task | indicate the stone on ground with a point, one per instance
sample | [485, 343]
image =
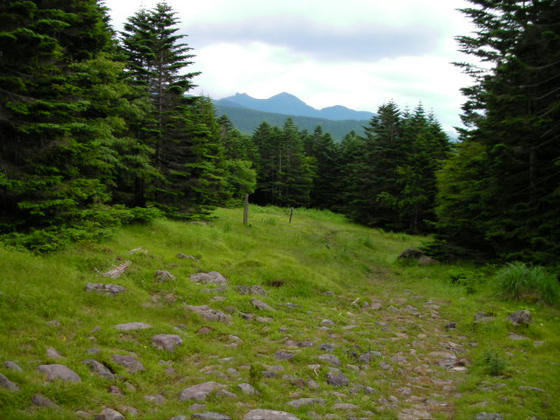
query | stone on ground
[109, 414]
[99, 369]
[259, 304]
[305, 402]
[251, 290]
[163, 276]
[520, 318]
[337, 379]
[9, 385]
[269, 415]
[213, 277]
[199, 392]
[209, 314]
[166, 341]
[132, 326]
[41, 401]
[105, 289]
[210, 416]
[118, 271]
[53, 354]
[247, 389]
[9, 364]
[129, 362]
[56, 371]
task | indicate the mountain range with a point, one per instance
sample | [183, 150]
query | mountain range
[247, 113]
[288, 104]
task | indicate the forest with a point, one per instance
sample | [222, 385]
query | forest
[98, 129]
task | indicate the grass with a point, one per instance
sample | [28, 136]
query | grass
[297, 264]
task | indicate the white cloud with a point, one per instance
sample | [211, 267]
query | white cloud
[357, 53]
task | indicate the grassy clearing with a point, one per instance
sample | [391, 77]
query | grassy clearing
[296, 263]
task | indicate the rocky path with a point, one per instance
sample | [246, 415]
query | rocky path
[346, 356]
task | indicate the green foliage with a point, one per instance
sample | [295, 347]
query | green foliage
[498, 195]
[494, 364]
[519, 281]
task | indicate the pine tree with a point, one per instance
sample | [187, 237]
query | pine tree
[57, 150]
[513, 113]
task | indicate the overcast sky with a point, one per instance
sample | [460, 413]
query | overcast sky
[356, 53]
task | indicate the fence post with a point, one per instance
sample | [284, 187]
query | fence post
[246, 210]
[291, 213]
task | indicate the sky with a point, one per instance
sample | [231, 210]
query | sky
[356, 53]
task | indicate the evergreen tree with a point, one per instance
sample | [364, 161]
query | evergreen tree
[57, 156]
[513, 113]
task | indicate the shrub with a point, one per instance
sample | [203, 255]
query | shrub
[493, 363]
[519, 281]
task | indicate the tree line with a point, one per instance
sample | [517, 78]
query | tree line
[98, 129]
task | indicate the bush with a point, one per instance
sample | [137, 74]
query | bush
[493, 363]
[518, 281]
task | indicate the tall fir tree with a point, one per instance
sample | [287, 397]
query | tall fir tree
[513, 115]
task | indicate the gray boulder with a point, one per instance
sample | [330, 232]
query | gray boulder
[9, 364]
[210, 416]
[209, 314]
[109, 414]
[520, 318]
[213, 277]
[99, 369]
[129, 362]
[259, 304]
[9, 385]
[489, 416]
[269, 415]
[305, 402]
[132, 326]
[61, 372]
[41, 401]
[166, 341]
[251, 290]
[105, 289]
[163, 276]
[199, 392]
[337, 379]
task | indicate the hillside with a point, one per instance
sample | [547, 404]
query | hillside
[247, 120]
[314, 318]
[288, 104]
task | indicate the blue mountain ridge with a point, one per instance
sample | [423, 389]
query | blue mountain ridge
[288, 104]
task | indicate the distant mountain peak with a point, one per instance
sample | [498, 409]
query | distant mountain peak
[288, 104]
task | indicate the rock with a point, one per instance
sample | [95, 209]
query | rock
[210, 416]
[155, 399]
[327, 347]
[327, 323]
[163, 276]
[106, 289]
[197, 407]
[128, 410]
[182, 256]
[411, 254]
[305, 402]
[284, 355]
[8, 364]
[199, 392]
[132, 326]
[129, 362]
[53, 323]
[9, 385]
[138, 250]
[345, 406]
[531, 388]
[489, 416]
[222, 393]
[113, 389]
[450, 326]
[330, 358]
[247, 389]
[425, 260]
[259, 304]
[263, 319]
[166, 341]
[414, 414]
[483, 317]
[179, 418]
[53, 354]
[99, 369]
[520, 318]
[204, 331]
[109, 414]
[305, 344]
[251, 290]
[62, 372]
[209, 314]
[269, 415]
[369, 356]
[517, 337]
[118, 271]
[213, 277]
[41, 401]
[337, 379]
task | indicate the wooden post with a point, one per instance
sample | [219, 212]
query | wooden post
[246, 210]
[291, 213]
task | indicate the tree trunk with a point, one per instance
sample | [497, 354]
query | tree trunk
[246, 210]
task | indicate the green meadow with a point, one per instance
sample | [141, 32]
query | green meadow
[327, 281]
